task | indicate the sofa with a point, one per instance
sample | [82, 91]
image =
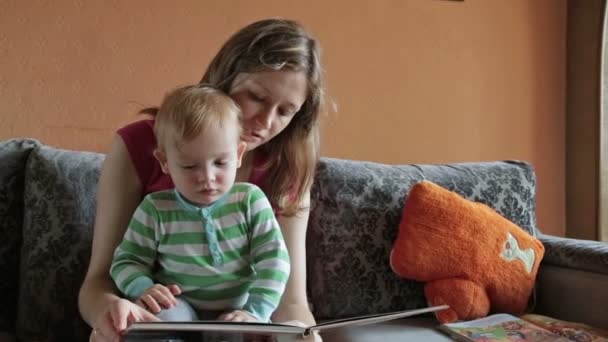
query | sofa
[47, 209]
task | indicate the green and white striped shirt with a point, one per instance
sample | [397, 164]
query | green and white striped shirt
[228, 255]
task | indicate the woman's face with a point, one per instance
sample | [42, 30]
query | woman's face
[269, 101]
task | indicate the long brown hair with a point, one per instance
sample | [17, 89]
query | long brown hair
[278, 44]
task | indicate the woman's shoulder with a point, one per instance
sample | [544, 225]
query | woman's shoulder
[138, 131]
[139, 137]
[140, 141]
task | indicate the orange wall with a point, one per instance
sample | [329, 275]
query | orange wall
[417, 81]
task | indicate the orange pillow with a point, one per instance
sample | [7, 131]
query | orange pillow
[471, 258]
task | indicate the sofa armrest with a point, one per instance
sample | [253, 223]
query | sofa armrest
[572, 280]
[582, 255]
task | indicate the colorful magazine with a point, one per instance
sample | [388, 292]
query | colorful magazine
[529, 327]
[577, 332]
[499, 327]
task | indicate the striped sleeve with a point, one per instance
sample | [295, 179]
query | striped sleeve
[134, 258]
[269, 253]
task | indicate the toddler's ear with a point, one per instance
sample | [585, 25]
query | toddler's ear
[162, 159]
[240, 152]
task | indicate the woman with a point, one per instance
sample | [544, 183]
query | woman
[272, 70]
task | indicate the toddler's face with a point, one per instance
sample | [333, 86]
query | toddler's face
[204, 168]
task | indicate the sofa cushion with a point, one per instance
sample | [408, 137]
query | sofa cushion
[59, 211]
[356, 209]
[13, 154]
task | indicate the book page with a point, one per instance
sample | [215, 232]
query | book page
[245, 327]
[211, 331]
[208, 336]
[371, 319]
[141, 329]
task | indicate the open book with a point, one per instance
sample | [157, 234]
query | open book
[528, 328]
[233, 331]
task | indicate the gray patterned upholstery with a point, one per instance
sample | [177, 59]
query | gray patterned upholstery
[13, 154]
[59, 210]
[356, 209]
[582, 255]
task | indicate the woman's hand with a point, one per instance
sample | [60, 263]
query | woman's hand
[116, 318]
[314, 337]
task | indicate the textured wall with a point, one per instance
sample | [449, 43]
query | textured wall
[417, 81]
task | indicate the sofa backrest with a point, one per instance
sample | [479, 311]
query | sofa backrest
[356, 210]
[13, 154]
[59, 211]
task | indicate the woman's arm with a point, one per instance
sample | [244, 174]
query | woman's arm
[294, 303]
[118, 194]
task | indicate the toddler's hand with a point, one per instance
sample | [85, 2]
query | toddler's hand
[158, 297]
[237, 316]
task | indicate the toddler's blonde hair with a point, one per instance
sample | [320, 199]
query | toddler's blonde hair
[188, 111]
